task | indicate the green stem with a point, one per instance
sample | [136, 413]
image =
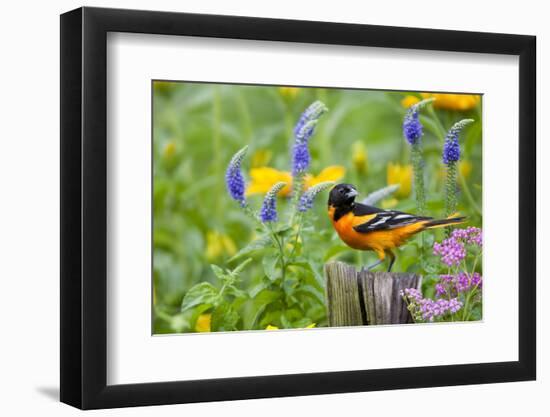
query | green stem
[280, 245]
[418, 168]
[300, 222]
[450, 192]
[419, 187]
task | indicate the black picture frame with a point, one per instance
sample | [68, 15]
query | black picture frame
[84, 207]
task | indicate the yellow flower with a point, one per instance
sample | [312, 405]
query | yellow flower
[289, 92]
[459, 102]
[330, 173]
[169, 150]
[203, 323]
[408, 101]
[310, 326]
[402, 175]
[218, 244]
[263, 178]
[359, 156]
[261, 158]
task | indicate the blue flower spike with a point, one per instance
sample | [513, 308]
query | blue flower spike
[268, 212]
[234, 179]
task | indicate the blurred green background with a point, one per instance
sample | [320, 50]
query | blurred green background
[198, 127]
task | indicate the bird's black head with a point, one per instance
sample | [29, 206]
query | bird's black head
[342, 196]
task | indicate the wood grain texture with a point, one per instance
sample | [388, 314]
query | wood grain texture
[344, 306]
[356, 298]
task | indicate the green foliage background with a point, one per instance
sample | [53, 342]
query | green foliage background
[198, 127]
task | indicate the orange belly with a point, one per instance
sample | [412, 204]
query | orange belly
[377, 241]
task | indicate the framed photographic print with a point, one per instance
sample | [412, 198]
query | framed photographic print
[257, 208]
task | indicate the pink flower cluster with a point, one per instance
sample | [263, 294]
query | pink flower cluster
[455, 284]
[453, 250]
[428, 309]
[470, 235]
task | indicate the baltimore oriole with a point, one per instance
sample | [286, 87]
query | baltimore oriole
[369, 228]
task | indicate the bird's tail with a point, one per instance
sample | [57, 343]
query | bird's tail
[453, 219]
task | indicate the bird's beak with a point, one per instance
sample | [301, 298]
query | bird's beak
[351, 193]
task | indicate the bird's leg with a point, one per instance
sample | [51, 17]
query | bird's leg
[392, 258]
[381, 257]
[374, 265]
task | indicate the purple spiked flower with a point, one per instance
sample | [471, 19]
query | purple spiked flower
[451, 148]
[412, 128]
[300, 157]
[313, 112]
[234, 177]
[303, 131]
[268, 212]
[306, 200]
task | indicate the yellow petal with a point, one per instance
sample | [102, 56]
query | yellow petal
[330, 173]
[359, 156]
[310, 326]
[213, 245]
[228, 245]
[270, 327]
[402, 175]
[263, 178]
[459, 102]
[203, 323]
[408, 101]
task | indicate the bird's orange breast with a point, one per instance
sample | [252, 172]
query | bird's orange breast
[344, 226]
[378, 240]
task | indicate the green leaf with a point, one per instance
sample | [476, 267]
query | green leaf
[335, 251]
[312, 267]
[224, 318]
[302, 323]
[241, 266]
[203, 293]
[260, 243]
[258, 305]
[284, 231]
[312, 292]
[269, 262]
[285, 322]
[430, 267]
[256, 289]
[231, 289]
[219, 272]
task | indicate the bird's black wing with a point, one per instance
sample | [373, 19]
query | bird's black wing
[383, 219]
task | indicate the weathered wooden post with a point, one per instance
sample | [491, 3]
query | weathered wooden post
[357, 298]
